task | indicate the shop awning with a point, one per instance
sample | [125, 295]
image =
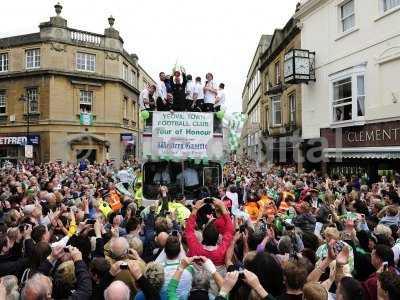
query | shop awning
[363, 153]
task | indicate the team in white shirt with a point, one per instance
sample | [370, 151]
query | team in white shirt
[199, 98]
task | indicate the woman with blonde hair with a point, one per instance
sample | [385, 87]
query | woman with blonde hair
[154, 273]
[64, 280]
[314, 291]
[332, 235]
[10, 283]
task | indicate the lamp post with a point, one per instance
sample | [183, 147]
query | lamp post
[28, 104]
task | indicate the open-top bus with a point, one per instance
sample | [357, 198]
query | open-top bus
[183, 151]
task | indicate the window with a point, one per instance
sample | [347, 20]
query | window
[342, 100]
[348, 100]
[133, 111]
[277, 73]
[292, 108]
[32, 95]
[3, 62]
[276, 111]
[347, 16]
[86, 101]
[85, 62]
[32, 58]
[125, 108]
[133, 77]
[389, 4]
[125, 73]
[3, 102]
[360, 96]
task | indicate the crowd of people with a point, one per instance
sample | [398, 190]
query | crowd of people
[77, 231]
[181, 92]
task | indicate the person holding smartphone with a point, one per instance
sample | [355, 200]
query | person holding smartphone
[209, 246]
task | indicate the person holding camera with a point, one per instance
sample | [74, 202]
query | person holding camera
[210, 247]
[40, 286]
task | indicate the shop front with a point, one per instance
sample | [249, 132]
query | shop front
[285, 150]
[13, 147]
[371, 150]
[128, 141]
[91, 147]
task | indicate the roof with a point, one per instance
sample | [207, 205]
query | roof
[308, 6]
[145, 73]
[262, 46]
[19, 40]
[279, 39]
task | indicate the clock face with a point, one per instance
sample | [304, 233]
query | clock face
[302, 65]
[288, 67]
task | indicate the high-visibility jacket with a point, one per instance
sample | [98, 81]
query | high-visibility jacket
[105, 208]
[251, 208]
[181, 211]
[139, 196]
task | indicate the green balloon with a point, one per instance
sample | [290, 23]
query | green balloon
[278, 224]
[144, 114]
[220, 114]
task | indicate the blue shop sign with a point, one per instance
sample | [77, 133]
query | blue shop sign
[34, 139]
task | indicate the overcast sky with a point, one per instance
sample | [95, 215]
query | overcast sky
[218, 36]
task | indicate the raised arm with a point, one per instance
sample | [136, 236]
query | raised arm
[84, 282]
[191, 238]
[174, 282]
[184, 80]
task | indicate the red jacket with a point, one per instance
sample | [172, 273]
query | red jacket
[217, 256]
[371, 287]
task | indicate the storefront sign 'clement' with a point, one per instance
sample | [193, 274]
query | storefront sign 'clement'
[382, 134]
[391, 134]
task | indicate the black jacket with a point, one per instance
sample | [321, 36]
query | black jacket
[179, 92]
[17, 261]
[83, 290]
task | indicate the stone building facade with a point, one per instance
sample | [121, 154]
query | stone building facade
[280, 102]
[251, 105]
[82, 91]
[352, 110]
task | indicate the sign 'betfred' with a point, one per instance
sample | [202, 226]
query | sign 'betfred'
[182, 134]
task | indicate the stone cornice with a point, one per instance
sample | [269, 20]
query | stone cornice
[63, 123]
[59, 45]
[308, 8]
[86, 76]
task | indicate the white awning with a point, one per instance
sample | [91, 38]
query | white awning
[363, 153]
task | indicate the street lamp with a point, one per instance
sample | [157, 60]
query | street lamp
[28, 105]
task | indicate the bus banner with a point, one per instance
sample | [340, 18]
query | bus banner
[182, 135]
